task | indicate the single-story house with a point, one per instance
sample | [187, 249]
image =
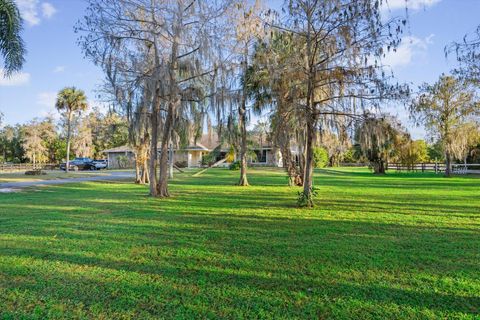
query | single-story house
[124, 157]
[192, 155]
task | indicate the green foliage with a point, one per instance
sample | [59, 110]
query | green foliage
[307, 200]
[208, 159]
[420, 149]
[377, 137]
[320, 157]
[402, 246]
[444, 108]
[11, 140]
[58, 152]
[71, 99]
[211, 157]
[108, 131]
[230, 155]
[435, 152]
[409, 152]
[351, 156]
[234, 166]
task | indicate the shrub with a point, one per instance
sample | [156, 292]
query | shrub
[122, 162]
[350, 156]
[234, 165]
[320, 157]
[230, 157]
[36, 172]
[209, 159]
[307, 201]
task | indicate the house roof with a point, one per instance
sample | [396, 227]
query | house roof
[196, 147]
[124, 148]
[206, 143]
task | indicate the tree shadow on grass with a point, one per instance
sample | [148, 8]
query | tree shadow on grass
[214, 269]
[235, 253]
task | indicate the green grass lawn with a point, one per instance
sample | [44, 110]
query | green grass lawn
[400, 246]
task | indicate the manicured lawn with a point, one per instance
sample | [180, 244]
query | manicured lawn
[402, 246]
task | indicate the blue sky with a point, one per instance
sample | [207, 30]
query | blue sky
[54, 60]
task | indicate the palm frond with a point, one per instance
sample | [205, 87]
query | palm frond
[12, 47]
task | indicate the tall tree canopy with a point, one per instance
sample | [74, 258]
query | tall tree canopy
[344, 43]
[161, 52]
[377, 137]
[467, 53]
[70, 102]
[443, 107]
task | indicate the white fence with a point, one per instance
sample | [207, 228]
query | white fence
[457, 168]
[469, 168]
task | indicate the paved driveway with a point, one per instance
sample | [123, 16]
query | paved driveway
[105, 177]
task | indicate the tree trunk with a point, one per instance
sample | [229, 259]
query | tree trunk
[141, 160]
[242, 122]
[69, 132]
[448, 164]
[301, 158]
[309, 164]
[154, 145]
[170, 167]
[162, 186]
[145, 173]
[310, 121]
[294, 176]
[137, 170]
[381, 167]
[243, 150]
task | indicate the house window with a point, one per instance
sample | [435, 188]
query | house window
[221, 155]
[261, 156]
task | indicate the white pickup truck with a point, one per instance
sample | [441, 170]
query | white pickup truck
[100, 164]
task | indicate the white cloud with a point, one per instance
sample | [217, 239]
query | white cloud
[59, 69]
[16, 79]
[47, 99]
[48, 10]
[410, 4]
[410, 48]
[29, 11]
[32, 10]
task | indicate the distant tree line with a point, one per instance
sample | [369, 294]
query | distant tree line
[43, 140]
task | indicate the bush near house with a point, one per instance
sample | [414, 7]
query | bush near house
[234, 165]
[320, 157]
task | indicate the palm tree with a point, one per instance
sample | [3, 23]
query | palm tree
[12, 48]
[70, 101]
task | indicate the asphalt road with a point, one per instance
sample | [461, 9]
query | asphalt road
[115, 175]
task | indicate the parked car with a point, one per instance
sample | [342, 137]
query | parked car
[100, 164]
[79, 164]
[83, 159]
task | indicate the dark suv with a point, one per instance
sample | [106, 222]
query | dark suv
[79, 164]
